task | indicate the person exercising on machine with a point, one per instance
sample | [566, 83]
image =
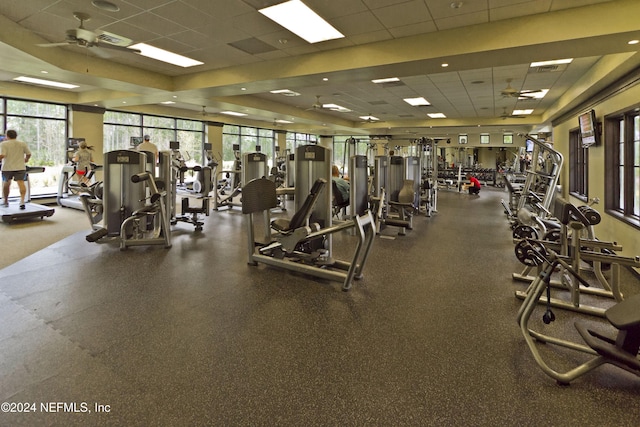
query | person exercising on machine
[14, 155]
[473, 186]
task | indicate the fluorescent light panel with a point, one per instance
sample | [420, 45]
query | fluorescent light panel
[336, 107]
[416, 102]
[437, 115]
[369, 118]
[233, 113]
[386, 80]
[298, 18]
[552, 62]
[43, 82]
[522, 112]
[285, 92]
[535, 95]
[164, 55]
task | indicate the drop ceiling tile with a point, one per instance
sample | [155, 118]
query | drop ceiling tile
[411, 12]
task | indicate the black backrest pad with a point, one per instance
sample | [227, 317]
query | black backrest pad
[259, 195]
[300, 217]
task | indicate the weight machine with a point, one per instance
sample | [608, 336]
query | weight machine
[135, 209]
[301, 245]
[578, 247]
[541, 182]
[620, 350]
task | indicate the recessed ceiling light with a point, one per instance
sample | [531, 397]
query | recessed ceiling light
[298, 18]
[522, 112]
[386, 80]
[369, 118]
[164, 55]
[416, 102]
[233, 113]
[633, 42]
[324, 79]
[437, 115]
[41, 82]
[167, 102]
[44, 72]
[456, 5]
[444, 65]
[552, 62]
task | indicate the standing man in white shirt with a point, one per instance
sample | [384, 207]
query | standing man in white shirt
[150, 147]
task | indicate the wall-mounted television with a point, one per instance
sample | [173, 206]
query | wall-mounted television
[589, 134]
[529, 146]
[135, 141]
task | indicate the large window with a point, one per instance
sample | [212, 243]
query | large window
[578, 167]
[622, 158]
[296, 139]
[248, 138]
[344, 147]
[43, 126]
[119, 127]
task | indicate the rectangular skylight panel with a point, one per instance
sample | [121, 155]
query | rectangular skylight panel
[298, 18]
[416, 102]
[43, 82]
[164, 55]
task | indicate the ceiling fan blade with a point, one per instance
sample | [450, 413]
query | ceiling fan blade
[53, 44]
[115, 47]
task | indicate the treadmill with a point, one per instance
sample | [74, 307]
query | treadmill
[66, 197]
[13, 213]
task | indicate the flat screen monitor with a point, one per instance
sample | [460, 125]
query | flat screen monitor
[588, 129]
[74, 143]
[529, 145]
[135, 141]
[208, 146]
[174, 145]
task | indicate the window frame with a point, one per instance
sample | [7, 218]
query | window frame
[578, 167]
[622, 165]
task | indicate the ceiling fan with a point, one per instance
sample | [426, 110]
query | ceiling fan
[85, 38]
[370, 119]
[506, 115]
[204, 113]
[511, 92]
[316, 105]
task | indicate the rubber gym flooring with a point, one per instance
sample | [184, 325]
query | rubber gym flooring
[192, 335]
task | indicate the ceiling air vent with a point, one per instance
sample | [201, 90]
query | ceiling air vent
[548, 68]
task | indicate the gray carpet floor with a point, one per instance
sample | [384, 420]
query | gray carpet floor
[192, 335]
